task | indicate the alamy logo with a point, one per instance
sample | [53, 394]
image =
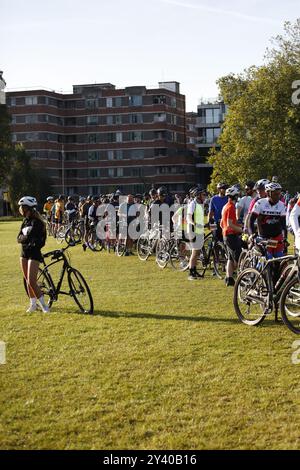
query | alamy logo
[296, 94]
[2, 353]
[296, 354]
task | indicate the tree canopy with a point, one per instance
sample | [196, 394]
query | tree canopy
[261, 133]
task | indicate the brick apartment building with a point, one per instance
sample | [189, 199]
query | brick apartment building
[100, 138]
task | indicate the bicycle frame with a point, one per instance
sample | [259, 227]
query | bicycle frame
[65, 267]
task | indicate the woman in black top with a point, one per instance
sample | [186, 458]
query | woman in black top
[32, 237]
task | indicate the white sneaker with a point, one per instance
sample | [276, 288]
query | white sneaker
[44, 308]
[32, 308]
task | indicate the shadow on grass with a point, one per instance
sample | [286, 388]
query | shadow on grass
[154, 316]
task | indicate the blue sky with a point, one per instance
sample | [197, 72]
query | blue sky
[58, 43]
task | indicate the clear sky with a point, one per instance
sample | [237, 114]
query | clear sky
[58, 43]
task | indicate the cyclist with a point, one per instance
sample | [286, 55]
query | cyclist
[84, 214]
[295, 223]
[125, 219]
[270, 213]
[195, 228]
[71, 209]
[47, 209]
[231, 231]
[32, 237]
[216, 205]
[59, 209]
[259, 187]
[243, 204]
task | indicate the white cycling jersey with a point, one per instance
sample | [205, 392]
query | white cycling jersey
[295, 223]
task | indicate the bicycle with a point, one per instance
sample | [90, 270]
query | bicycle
[213, 255]
[78, 287]
[256, 292]
[147, 242]
[290, 303]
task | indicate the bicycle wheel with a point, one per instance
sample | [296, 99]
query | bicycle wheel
[290, 305]
[220, 260]
[73, 236]
[60, 234]
[121, 247]
[180, 256]
[80, 291]
[143, 247]
[46, 285]
[162, 255]
[251, 297]
[94, 242]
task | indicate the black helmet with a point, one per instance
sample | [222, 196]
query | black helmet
[222, 186]
[197, 190]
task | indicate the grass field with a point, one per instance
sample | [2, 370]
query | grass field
[162, 364]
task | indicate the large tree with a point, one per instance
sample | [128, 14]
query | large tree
[261, 133]
[6, 153]
[23, 179]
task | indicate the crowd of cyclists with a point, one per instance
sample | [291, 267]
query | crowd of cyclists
[236, 218]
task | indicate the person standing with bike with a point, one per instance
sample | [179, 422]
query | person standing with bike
[231, 233]
[32, 237]
[195, 229]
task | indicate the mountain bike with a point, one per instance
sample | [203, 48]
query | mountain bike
[78, 287]
[290, 303]
[257, 291]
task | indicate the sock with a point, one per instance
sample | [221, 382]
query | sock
[42, 301]
[32, 301]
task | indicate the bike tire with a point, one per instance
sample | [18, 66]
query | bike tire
[80, 291]
[45, 284]
[143, 247]
[290, 305]
[180, 258]
[162, 255]
[220, 259]
[249, 290]
[121, 248]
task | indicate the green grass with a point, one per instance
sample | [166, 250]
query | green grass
[163, 364]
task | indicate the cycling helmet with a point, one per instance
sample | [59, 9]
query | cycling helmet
[27, 201]
[49, 198]
[261, 184]
[197, 190]
[162, 191]
[232, 191]
[95, 198]
[273, 187]
[222, 186]
[249, 184]
[152, 192]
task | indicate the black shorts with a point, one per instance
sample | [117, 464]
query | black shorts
[32, 253]
[233, 244]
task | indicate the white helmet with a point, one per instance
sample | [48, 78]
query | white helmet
[232, 191]
[273, 187]
[27, 201]
[49, 198]
[261, 184]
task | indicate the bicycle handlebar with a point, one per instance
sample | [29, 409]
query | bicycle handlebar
[55, 253]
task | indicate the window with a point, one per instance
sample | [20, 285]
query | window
[92, 120]
[212, 116]
[137, 154]
[135, 100]
[109, 120]
[31, 119]
[71, 173]
[119, 136]
[110, 155]
[109, 102]
[13, 101]
[111, 172]
[91, 104]
[159, 99]
[160, 117]
[173, 102]
[94, 156]
[92, 138]
[119, 154]
[136, 136]
[118, 119]
[30, 100]
[70, 156]
[136, 118]
[94, 172]
[136, 172]
[160, 152]
[119, 171]
[118, 102]
[33, 136]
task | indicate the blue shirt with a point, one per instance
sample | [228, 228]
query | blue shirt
[216, 205]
